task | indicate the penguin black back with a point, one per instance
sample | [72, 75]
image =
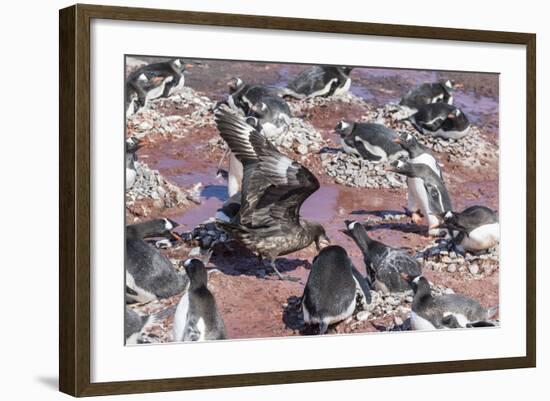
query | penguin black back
[330, 292]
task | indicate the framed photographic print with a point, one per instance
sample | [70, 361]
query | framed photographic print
[250, 200]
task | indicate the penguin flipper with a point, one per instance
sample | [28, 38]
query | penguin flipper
[363, 284]
[323, 327]
[365, 154]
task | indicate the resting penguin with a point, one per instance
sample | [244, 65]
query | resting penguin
[441, 120]
[330, 292]
[434, 200]
[322, 80]
[384, 264]
[474, 229]
[133, 144]
[243, 96]
[159, 79]
[371, 141]
[429, 312]
[273, 114]
[429, 93]
[150, 274]
[418, 154]
[197, 317]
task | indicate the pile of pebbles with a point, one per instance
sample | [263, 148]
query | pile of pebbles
[437, 257]
[300, 107]
[150, 184]
[354, 171]
[301, 138]
[473, 150]
[200, 107]
[148, 122]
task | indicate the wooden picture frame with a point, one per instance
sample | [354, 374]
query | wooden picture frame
[75, 206]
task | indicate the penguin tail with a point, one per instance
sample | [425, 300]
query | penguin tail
[323, 327]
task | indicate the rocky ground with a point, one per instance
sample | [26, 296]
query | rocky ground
[177, 179]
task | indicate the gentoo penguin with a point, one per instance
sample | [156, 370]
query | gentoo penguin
[135, 96]
[374, 142]
[418, 154]
[429, 93]
[330, 292]
[474, 229]
[132, 144]
[321, 80]
[197, 317]
[243, 96]
[441, 120]
[274, 188]
[437, 202]
[429, 312]
[384, 264]
[273, 115]
[159, 79]
[150, 274]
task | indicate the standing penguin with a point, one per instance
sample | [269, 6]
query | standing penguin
[384, 264]
[197, 317]
[437, 92]
[132, 144]
[418, 154]
[149, 273]
[429, 312]
[330, 293]
[322, 80]
[441, 120]
[474, 229]
[437, 199]
[374, 142]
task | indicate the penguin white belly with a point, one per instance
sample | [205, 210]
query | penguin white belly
[178, 87]
[235, 175]
[131, 108]
[375, 150]
[324, 90]
[133, 339]
[201, 328]
[309, 319]
[483, 237]
[180, 318]
[452, 134]
[131, 176]
[344, 88]
[419, 323]
[142, 295]
[418, 193]
[159, 90]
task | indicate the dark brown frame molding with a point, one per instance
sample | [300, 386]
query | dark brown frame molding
[74, 199]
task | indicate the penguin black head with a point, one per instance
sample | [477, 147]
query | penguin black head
[260, 109]
[235, 84]
[419, 284]
[346, 70]
[196, 271]
[133, 144]
[406, 140]
[177, 65]
[400, 166]
[455, 113]
[344, 128]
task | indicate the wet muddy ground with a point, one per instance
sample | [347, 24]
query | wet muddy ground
[252, 302]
